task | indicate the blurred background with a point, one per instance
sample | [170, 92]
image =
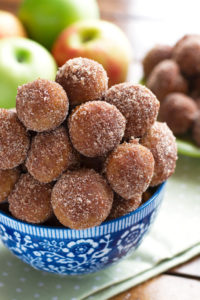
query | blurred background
[144, 22]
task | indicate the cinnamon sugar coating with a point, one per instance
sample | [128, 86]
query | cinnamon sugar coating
[95, 128]
[129, 169]
[161, 142]
[30, 200]
[187, 54]
[50, 154]
[8, 178]
[154, 56]
[138, 105]
[14, 140]
[41, 105]
[166, 78]
[179, 112]
[81, 199]
[122, 207]
[196, 129]
[83, 80]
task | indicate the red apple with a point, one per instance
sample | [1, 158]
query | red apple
[10, 25]
[98, 40]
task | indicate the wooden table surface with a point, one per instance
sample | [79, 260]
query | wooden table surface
[147, 22]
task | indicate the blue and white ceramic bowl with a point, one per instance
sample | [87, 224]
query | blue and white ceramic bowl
[75, 252]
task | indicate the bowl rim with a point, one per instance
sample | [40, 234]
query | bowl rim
[159, 189]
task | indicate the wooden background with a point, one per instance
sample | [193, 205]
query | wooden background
[147, 22]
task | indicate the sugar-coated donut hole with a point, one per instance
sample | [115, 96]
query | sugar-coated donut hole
[95, 128]
[129, 169]
[122, 207]
[166, 78]
[155, 55]
[81, 199]
[138, 105]
[8, 178]
[14, 140]
[30, 200]
[41, 105]
[50, 155]
[179, 112]
[162, 144]
[83, 80]
[187, 54]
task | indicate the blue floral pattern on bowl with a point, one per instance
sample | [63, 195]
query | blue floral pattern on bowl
[75, 252]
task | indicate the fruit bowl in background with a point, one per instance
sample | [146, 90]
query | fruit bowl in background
[75, 252]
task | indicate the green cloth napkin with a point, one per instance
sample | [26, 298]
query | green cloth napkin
[174, 238]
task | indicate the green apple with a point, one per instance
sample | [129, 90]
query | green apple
[22, 61]
[45, 19]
